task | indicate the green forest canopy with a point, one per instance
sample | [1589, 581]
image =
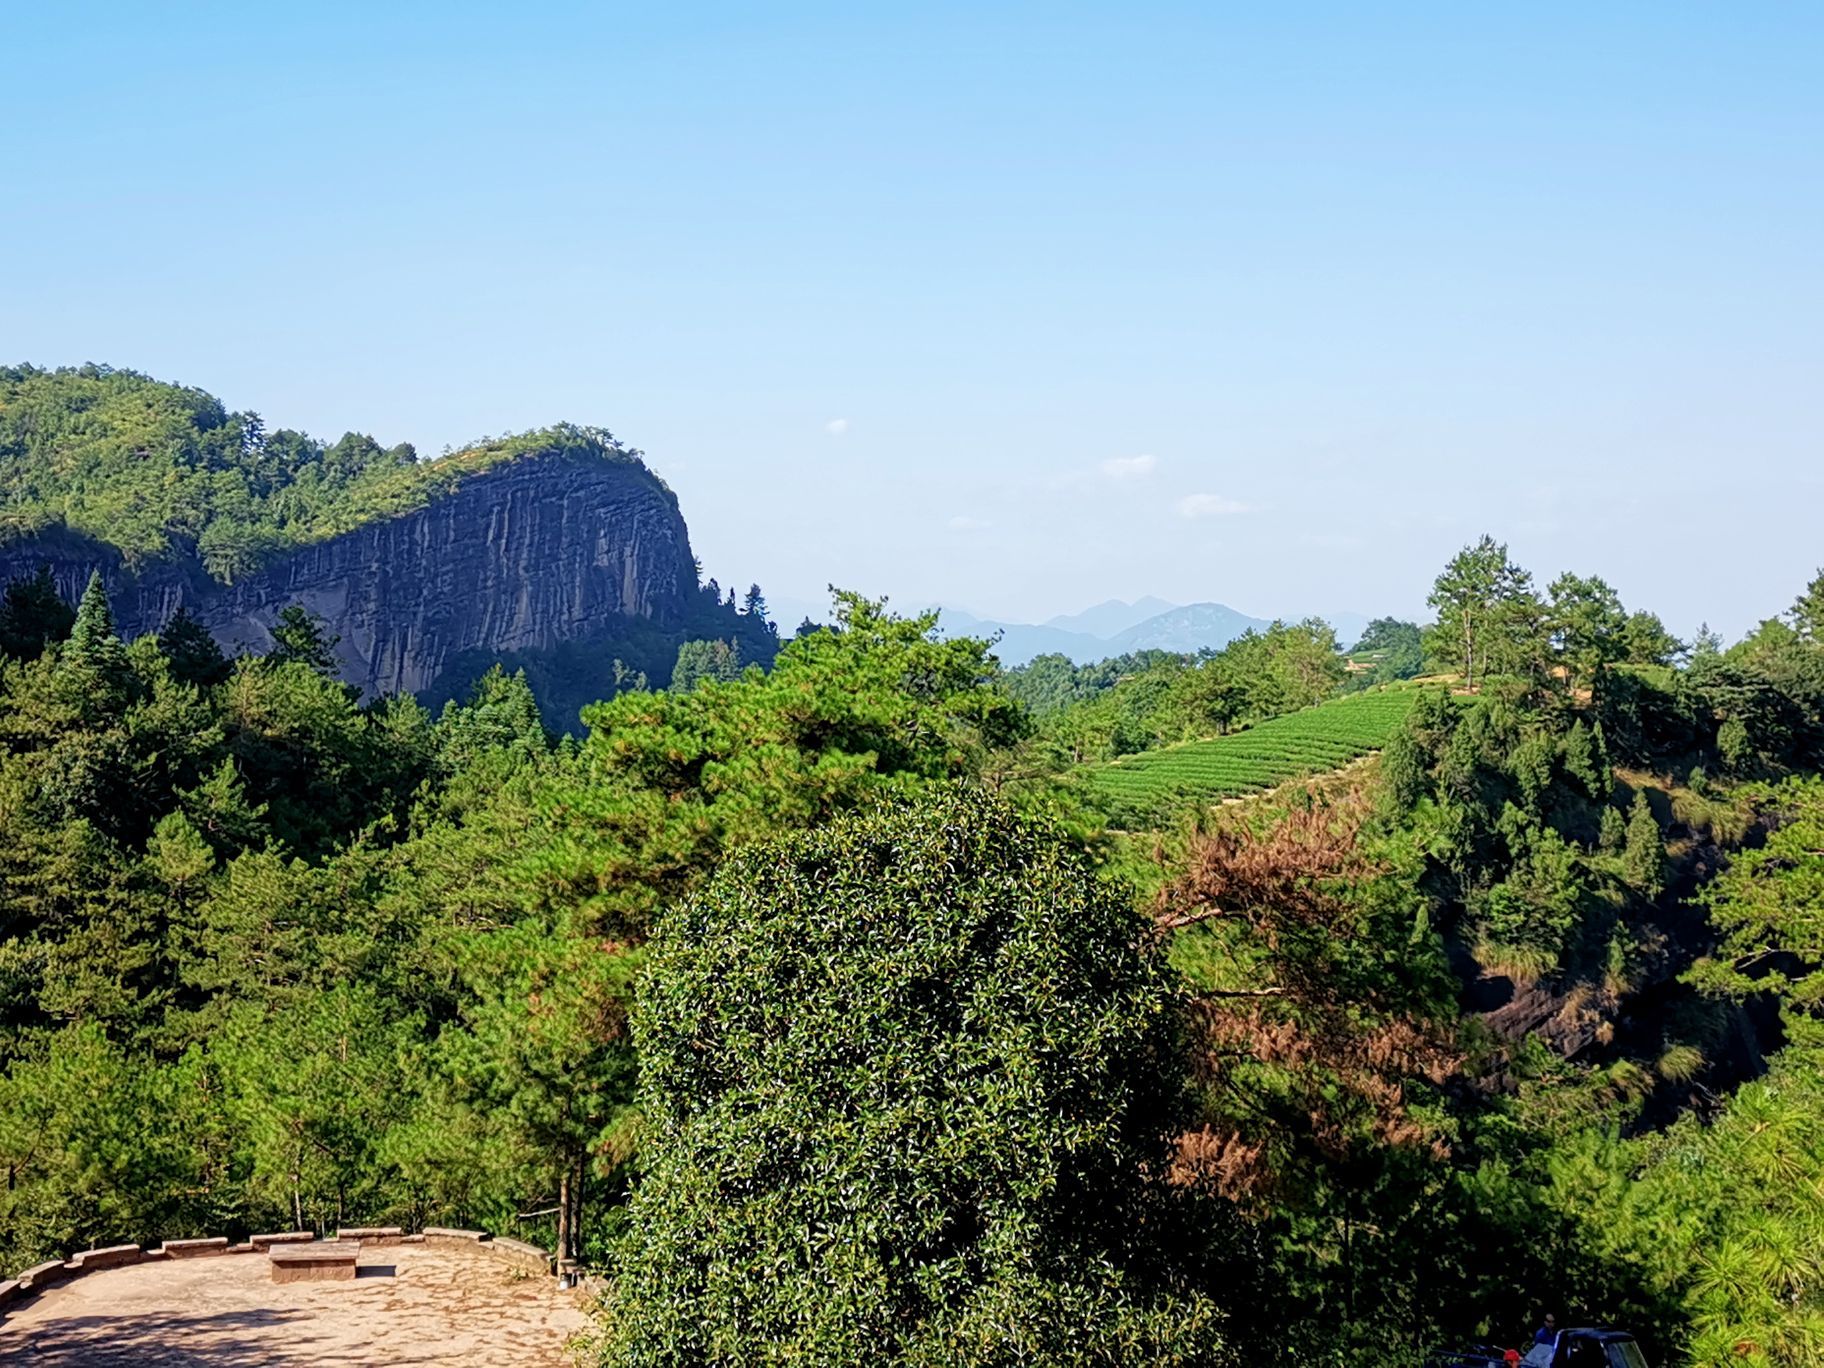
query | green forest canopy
[271, 955]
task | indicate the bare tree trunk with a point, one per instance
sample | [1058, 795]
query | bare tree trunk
[575, 1213]
[582, 1188]
[563, 1217]
[1348, 1264]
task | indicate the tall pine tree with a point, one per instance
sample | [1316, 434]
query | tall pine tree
[1643, 857]
[93, 649]
[32, 616]
[192, 652]
[298, 636]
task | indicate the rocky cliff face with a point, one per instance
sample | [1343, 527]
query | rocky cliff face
[519, 560]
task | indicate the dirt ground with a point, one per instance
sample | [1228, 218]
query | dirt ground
[409, 1305]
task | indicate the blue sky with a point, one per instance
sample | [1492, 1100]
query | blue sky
[1017, 307]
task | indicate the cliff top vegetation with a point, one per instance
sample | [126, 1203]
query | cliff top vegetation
[166, 472]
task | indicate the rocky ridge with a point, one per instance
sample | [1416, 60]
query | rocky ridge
[544, 553]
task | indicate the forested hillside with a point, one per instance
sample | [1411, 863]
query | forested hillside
[160, 471]
[818, 1008]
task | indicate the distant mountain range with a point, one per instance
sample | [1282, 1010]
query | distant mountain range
[1112, 628]
[1112, 618]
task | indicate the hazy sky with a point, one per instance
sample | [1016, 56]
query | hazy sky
[1015, 306]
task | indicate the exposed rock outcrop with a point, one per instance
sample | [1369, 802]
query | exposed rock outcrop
[537, 555]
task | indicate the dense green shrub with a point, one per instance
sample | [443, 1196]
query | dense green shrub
[902, 1077]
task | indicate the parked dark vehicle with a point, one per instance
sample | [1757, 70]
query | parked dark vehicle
[1587, 1348]
[1584, 1347]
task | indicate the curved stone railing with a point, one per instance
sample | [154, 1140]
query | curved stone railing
[528, 1256]
[35, 1279]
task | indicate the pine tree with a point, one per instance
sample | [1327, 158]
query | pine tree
[179, 858]
[298, 637]
[1808, 611]
[501, 714]
[1735, 746]
[1404, 775]
[93, 627]
[1588, 625]
[1614, 832]
[32, 616]
[1645, 641]
[193, 655]
[1580, 760]
[220, 809]
[1489, 618]
[755, 608]
[701, 660]
[93, 648]
[1643, 858]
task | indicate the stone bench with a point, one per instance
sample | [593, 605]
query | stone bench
[319, 1261]
[194, 1249]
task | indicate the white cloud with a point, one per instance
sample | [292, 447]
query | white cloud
[836, 427]
[1210, 506]
[962, 522]
[1129, 467]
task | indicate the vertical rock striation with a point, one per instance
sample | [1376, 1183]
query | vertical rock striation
[524, 558]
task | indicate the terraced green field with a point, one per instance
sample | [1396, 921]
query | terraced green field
[1147, 786]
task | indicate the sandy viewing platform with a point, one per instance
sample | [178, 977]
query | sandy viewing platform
[408, 1305]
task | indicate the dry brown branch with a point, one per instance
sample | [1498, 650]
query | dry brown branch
[1178, 920]
[1340, 1057]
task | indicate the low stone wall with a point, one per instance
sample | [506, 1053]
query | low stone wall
[41, 1276]
[262, 1243]
[194, 1249]
[34, 1280]
[115, 1256]
[444, 1235]
[528, 1256]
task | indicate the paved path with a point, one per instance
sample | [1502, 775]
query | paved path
[411, 1305]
